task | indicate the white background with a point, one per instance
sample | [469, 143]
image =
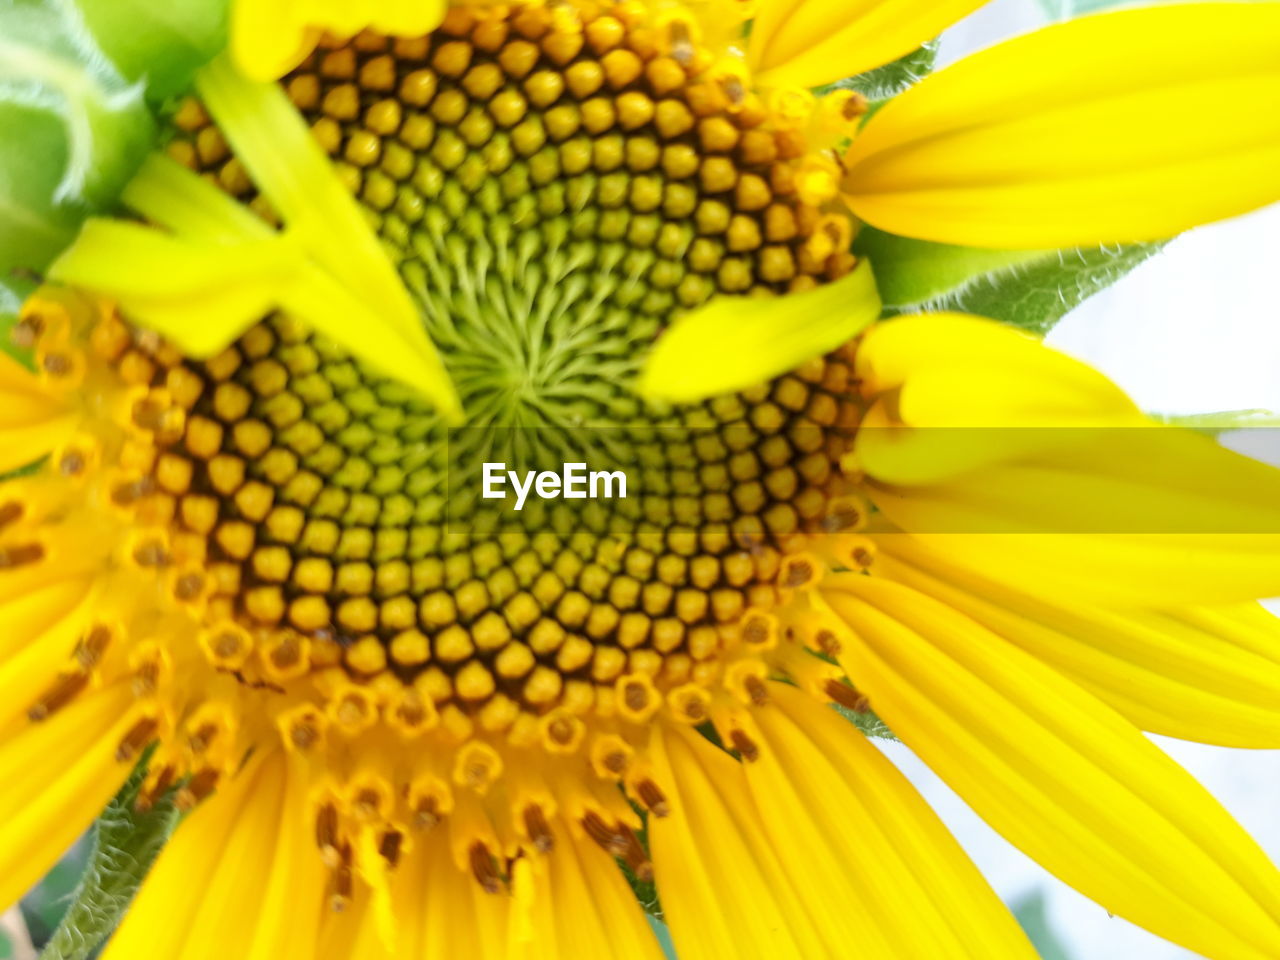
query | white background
[1194, 330]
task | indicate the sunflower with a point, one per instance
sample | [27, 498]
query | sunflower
[240, 543]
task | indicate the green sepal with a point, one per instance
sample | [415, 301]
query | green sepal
[1031, 289]
[866, 721]
[126, 842]
[161, 44]
[893, 78]
[72, 132]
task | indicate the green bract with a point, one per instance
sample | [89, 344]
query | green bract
[76, 85]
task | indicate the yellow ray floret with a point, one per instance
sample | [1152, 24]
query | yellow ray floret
[734, 343]
[60, 775]
[271, 37]
[810, 43]
[1171, 120]
[1207, 674]
[1060, 774]
[821, 788]
[1022, 463]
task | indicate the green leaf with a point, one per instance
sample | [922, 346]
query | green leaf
[891, 79]
[1034, 919]
[126, 843]
[1029, 289]
[72, 131]
[1035, 296]
[45, 906]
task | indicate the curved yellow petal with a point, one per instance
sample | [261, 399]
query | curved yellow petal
[1171, 120]
[853, 830]
[33, 420]
[272, 140]
[57, 777]
[1059, 773]
[1191, 674]
[810, 43]
[739, 342]
[200, 296]
[1023, 464]
[724, 892]
[288, 924]
[951, 392]
[594, 912]
[271, 37]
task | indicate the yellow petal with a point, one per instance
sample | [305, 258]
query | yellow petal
[33, 420]
[223, 269]
[1009, 395]
[1059, 773]
[724, 891]
[57, 777]
[835, 806]
[810, 43]
[271, 37]
[595, 912]
[1172, 120]
[289, 920]
[1193, 674]
[201, 296]
[739, 342]
[1025, 465]
[40, 638]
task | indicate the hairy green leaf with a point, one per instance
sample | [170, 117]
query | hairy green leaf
[866, 721]
[125, 844]
[891, 79]
[1027, 288]
[162, 44]
[72, 131]
[1035, 296]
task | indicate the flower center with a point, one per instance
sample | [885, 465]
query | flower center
[554, 193]
[259, 544]
[555, 189]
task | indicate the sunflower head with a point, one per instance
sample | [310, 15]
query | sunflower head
[247, 542]
[556, 186]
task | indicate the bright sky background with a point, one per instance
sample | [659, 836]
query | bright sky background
[1194, 330]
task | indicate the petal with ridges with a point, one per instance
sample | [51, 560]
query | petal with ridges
[723, 890]
[868, 822]
[1177, 101]
[1166, 673]
[289, 919]
[1059, 773]
[738, 342]
[58, 776]
[811, 43]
